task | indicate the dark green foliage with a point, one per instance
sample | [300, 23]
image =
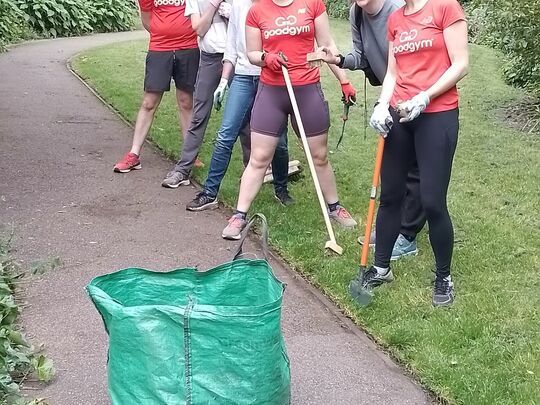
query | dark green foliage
[338, 8]
[52, 18]
[62, 18]
[18, 358]
[512, 27]
[13, 26]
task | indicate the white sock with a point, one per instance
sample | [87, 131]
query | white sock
[382, 270]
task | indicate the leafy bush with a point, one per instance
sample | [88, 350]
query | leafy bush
[338, 8]
[112, 15]
[515, 31]
[18, 358]
[52, 18]
[13, 26]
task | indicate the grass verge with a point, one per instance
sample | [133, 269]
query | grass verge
[483, 350]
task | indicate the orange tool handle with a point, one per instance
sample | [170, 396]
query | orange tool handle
[372, 199]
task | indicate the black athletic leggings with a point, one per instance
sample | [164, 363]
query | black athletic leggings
[432, 139]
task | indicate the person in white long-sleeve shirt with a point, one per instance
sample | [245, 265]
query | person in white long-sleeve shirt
[237, 114]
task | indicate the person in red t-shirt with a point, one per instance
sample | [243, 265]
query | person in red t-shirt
[289, 28]
[172, 53]
[417, 113]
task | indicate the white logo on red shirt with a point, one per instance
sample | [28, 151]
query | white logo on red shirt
[286, 27]
[427, 20]
[409, 45]
[176, 3]
[408, 35]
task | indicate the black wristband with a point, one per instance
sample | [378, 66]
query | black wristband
[341, 60]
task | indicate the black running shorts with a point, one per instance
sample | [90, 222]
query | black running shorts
[161, 66]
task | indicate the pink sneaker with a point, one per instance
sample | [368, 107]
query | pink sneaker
[128, 163]
[342, 217]
[234, 229]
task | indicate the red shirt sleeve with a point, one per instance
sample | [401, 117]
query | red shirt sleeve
[252, 19]
[146, 5]
[318, 8]
[449, 12]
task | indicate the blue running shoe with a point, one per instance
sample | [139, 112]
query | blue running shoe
[403, 248]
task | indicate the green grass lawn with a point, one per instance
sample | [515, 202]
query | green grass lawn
[483, 350]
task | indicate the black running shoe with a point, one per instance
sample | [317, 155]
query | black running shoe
[202, 202]
[284, 198]
[443, 292]
[373, 279]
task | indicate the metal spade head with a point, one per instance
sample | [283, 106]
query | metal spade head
[360, 294]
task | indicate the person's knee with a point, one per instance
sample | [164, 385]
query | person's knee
[320, 157]
[391, 197]
[150, 102]
[224, 143]
[434, 207]
[185, 100]
[259, 159]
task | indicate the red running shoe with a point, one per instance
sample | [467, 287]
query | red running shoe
[128, 163]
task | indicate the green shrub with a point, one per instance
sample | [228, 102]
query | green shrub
[63, 18]
[112, 15]
[512, 27]
[338, 8]
[13, 26]
[52, 18]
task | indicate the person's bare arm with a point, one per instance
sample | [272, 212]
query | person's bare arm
[145, 19]
[201, 22]
[455, 37]
[390, 78]
[254, 46]
[324, 40]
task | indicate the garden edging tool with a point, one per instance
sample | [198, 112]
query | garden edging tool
[361, 295]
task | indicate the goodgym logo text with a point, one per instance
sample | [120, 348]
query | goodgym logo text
[408, 43]
[286, 26]
[176, 3]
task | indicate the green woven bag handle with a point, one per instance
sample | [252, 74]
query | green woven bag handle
[264, 236]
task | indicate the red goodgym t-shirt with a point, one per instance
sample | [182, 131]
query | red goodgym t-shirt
[421, 53]
[291, 30]
[170, 30]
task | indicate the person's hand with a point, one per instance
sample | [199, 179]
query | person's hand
[224, 10]
[216, 3]
[219, 94]
[349, 92]
[381, 120]
[412, 108]
[274, 61]
[328, 57]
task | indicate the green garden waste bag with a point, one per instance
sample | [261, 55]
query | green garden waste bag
[192, 337]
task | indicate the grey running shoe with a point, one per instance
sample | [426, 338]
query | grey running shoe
[443, 292]
[175, 179]
[284, 198]
[373, 279]
[403, 248]
[342, 217]
[371, 239]
[202, 202]
[234, 230]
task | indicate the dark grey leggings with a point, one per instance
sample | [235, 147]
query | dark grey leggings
[431, 139]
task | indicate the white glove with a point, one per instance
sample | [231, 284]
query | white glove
[413, 107]
[381, 120]
[224, 10]
[219, 94]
